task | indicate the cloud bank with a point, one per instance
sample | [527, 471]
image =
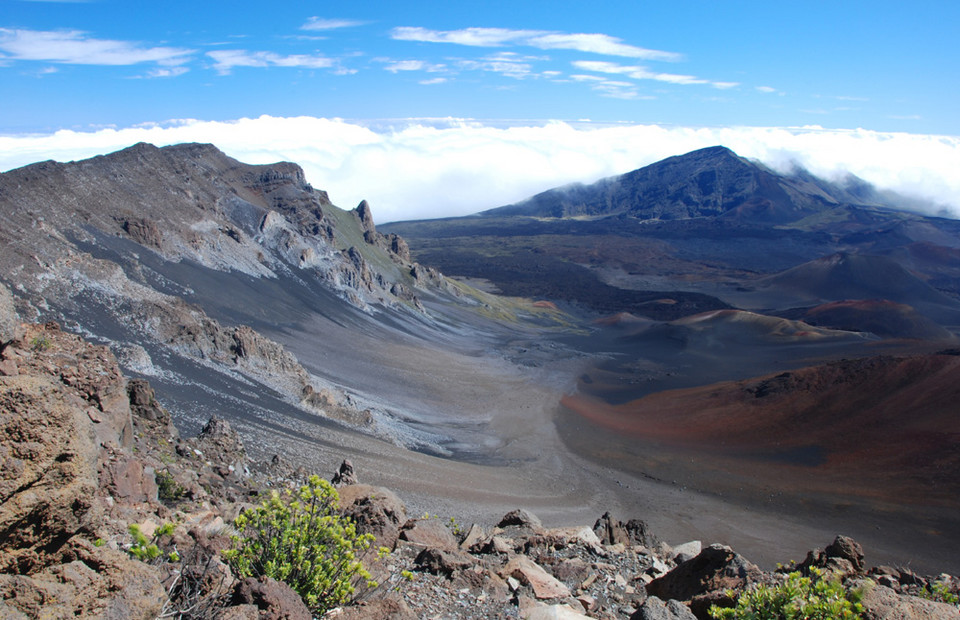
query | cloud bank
[412, 169]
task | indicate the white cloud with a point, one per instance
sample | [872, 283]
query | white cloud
[318, 23]
[476, 37]
[78, 48]
[506, 63]
[419, 169]
[395, 66]
[766, 89]
[600, 44]
[495, 37]
[642, 73]
[166, 72]
[226, 60]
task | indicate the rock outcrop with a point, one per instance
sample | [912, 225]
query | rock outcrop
[9, 321]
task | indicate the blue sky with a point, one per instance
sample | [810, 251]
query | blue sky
[95, 71]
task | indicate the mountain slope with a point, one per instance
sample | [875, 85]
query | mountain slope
[706, 223]
[705, 183]
[218, 280]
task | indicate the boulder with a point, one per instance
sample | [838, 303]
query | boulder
[440, 562]
[144, 404]
[552, 612]
[847, 549]
[344, 475]
[388, 608]
[882, 603]
[528, 572]
[687, 551]
[430, 533]
[375, 510]
[705, 579]
[611, 531]
[275, 599]
[128, 480]
[844, 556]
[655, 609]
[520, 518]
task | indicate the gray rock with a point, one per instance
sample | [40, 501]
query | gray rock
[847, 549]
[9, 321]
[344, 475]
[882, 603]
[687, 551]
[705, 579]
[441, 562]
[520, 518]
[655, 609]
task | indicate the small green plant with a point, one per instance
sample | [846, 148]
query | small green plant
[939, 591]
[167, 488]
[798, 598]
[40, 343]
[148, 549]
[303, 541]
[454, 527]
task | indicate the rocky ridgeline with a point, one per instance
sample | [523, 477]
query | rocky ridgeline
[119, 245]
[86, 453]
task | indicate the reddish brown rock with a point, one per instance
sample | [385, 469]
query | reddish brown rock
[375, 510]
[431, 533]
[275, 599]
[544, 585]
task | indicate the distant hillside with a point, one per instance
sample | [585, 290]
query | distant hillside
[705, 183]
[707, 223]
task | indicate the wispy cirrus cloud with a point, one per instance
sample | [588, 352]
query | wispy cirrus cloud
[642, 73]
[226, 60]
[79, 48]
[508, 64]
[319, 23]
[615, 89]
[395, 66]
[541, 39]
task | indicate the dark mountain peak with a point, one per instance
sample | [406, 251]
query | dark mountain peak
[709, 182]
[709, 155]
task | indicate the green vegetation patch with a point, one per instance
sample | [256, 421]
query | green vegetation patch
[301, 540]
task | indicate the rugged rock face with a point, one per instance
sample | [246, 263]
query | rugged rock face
[176, 249]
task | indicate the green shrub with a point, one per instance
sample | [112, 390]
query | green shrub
[940, 592]
[40, 343]
[799, 597]
[148, 549]
[168, 489]
[302, 541]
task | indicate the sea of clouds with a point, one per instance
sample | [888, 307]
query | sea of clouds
[426, 168]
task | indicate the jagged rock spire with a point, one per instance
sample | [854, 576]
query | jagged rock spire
[366, 216]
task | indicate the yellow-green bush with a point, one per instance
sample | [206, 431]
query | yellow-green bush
[798, 598]
[304, 542]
